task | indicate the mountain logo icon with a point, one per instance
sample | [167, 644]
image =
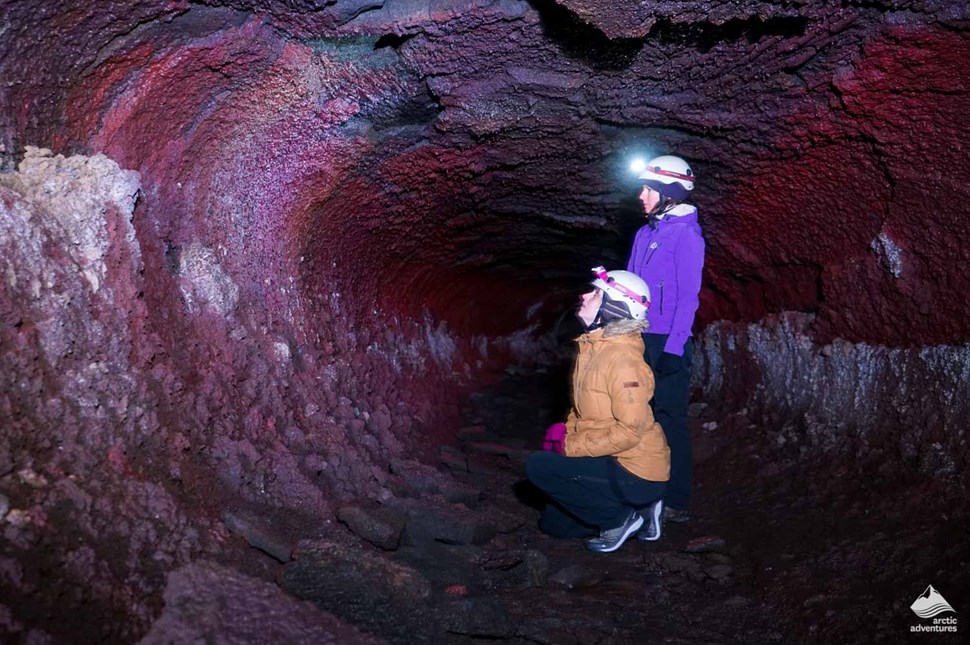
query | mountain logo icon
[930, 603]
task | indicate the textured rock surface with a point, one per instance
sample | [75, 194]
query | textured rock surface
[78, 418]
[275, 242]
[364, 149]
[379, 526]
[120, 444]
[205, 602]
[368, 588]
[896, 409]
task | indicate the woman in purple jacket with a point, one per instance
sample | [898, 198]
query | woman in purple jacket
[668, 253]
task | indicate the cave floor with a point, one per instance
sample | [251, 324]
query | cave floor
[781, 547]
[699, 584]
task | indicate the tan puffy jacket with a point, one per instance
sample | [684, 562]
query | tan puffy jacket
[611, 415]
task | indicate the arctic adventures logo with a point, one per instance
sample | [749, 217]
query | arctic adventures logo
[929, 605]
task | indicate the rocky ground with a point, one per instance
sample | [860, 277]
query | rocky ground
[780, 548]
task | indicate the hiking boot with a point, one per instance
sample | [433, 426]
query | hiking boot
[612, 539]
[652, 522]
[676, 515]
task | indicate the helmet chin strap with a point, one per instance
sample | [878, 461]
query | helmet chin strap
[610, 311]
[597, 322]
[660, 210]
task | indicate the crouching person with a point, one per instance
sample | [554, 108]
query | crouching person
[610, 479]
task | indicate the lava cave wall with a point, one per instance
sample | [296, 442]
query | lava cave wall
[491, 136]
[281, 238]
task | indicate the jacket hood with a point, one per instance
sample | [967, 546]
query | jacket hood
[627, 326]
[619, 328]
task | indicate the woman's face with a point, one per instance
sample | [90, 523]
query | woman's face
[649, 198]
[589, 305]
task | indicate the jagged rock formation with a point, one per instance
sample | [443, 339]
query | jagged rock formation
[891, 409]
[491, 136]
[254, 252]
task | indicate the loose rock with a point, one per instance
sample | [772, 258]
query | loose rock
[479, 617]
[258, 537]
[205, 602]
[449, 524]
[705, 544]
[364, 586]
[379, 526]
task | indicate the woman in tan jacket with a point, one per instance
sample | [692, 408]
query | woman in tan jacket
[610, 480]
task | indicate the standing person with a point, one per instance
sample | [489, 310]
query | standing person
[668, 253]
[616, 461]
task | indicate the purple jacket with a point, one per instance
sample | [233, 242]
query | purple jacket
[670, 258]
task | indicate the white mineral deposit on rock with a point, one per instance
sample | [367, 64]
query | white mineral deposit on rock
[71, 196]
[204, 283]
[852, 388]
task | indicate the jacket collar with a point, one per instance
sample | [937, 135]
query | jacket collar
[680, 214]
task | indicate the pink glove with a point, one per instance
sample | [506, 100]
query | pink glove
[554, 438]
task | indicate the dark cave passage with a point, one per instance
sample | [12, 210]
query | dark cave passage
[288, 275]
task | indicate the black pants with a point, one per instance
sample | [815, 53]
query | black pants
[670, 400]
[587, 494]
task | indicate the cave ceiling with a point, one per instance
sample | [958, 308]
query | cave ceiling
[479, 148]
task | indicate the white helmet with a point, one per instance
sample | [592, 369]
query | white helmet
[625, 287]
[670, 176]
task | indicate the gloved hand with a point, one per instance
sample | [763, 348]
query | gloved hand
[553, 440]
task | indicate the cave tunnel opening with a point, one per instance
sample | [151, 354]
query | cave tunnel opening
[289, 294]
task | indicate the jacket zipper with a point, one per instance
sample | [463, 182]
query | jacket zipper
[661, 297]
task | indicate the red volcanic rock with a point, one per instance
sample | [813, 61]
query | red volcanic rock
[838, 228]
[125, 426]
[635, 19]
[393, 134]
[842, 399]
[276, 242]
[204, 598]
[78, 409]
